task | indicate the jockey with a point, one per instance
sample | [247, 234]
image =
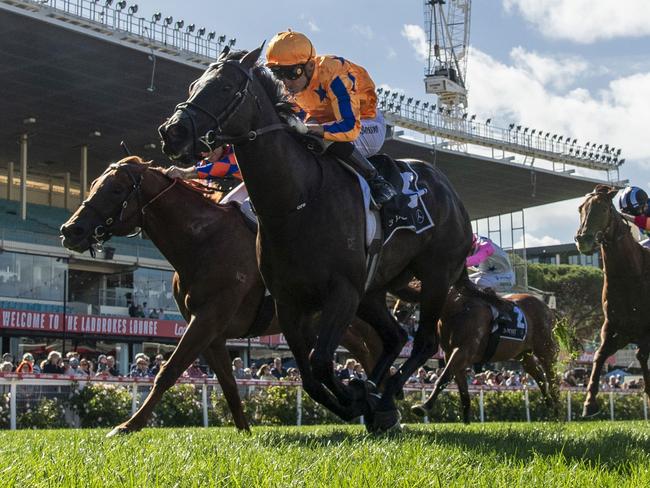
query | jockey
[220, 163]
[337, 100]
[633, 203]
[494, 268]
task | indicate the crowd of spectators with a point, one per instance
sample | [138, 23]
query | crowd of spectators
[143, 367]
[144, 311]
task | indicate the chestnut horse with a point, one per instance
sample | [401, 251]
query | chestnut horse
[217, 286]
[626, 287]
[464, 330]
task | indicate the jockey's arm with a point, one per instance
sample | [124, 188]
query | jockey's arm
[485, 250]
[346, 106]
[642, 221]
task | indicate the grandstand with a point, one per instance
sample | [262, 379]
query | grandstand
[78, 78]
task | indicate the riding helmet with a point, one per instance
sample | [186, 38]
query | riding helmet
[289, 48]
[632, 200]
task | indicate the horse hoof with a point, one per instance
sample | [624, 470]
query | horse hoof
[420, 410]
[119, 431]
[590, 410]
[386, 421]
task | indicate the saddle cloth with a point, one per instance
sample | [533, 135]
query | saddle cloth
[515, 329]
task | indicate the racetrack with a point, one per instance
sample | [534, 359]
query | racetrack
[591, 454]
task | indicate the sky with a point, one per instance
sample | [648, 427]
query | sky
[577, 67]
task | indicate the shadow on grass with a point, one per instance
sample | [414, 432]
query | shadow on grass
[611, 450]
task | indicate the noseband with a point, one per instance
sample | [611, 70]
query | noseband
[215, 137]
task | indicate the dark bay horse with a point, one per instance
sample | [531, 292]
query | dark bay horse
[217, 286]
[464, 330]
[311, 240]
[626, 288]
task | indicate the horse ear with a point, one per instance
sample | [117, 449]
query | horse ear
[251, 58]
[612, 192]
[224, 52]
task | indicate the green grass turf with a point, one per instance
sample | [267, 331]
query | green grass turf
[586, 455]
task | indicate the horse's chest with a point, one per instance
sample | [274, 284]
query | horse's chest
[627, 311]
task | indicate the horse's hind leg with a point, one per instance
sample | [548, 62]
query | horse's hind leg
[199, 333]
[463, 390]
[434, 293]
[547, 357]
[338, 312]
[373, 310]
[293, 328]
[456, 362]
[219, 360]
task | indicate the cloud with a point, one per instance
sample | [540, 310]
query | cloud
[585, 21]
[557, 72]
[363, 30]
[312, 26]
[418, 40]
[525, 92]
[532, 241]
[391, 53]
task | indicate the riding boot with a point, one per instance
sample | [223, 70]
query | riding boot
[382, 191]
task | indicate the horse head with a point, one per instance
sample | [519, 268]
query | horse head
[597, 214]
[113, 207]
[221, 108]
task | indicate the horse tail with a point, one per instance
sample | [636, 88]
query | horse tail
[467, 287]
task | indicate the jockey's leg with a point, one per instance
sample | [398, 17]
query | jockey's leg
[373, 133]
[237, 194]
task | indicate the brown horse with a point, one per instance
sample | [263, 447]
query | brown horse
[626, 288]
[464, 330]
[217, 286]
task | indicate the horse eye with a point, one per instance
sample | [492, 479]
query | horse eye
[117, 190]
[227, 88]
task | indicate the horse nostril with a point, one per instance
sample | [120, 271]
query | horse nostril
[72, 230]
[176, 132]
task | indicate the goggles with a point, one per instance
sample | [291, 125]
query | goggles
[288, 72]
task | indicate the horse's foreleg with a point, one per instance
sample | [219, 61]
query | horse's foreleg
[198, 334]
[608, 346]
[338, 312]
[642, 356]
[293, 324]
[457, 360]
[219, 360]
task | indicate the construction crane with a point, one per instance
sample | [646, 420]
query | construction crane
[447, 24]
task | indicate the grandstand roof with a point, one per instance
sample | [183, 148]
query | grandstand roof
[75, 81]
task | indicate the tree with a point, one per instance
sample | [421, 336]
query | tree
[578, 292]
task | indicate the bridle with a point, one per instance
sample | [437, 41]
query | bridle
[102, 232]
[602, 237]
[215, 137]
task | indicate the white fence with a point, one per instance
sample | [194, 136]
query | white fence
[38, 386]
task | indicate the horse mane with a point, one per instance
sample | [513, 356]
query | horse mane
[273, 87]
[192, 185]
